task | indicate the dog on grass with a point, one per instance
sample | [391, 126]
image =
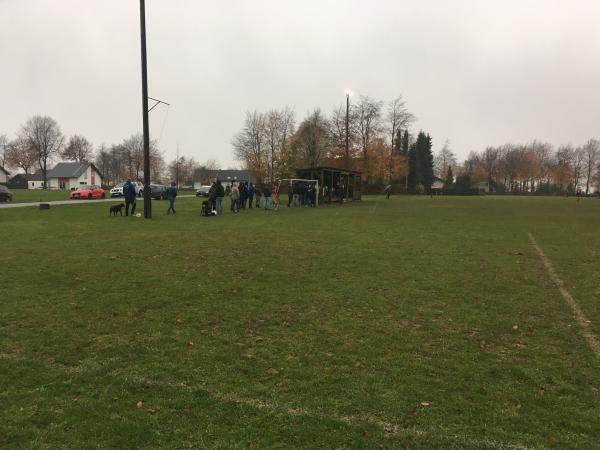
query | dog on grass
[114, 209]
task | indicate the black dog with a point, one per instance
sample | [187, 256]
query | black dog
[114, 209]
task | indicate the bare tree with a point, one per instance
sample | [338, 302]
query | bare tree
[78, 149]
[181, 170]
[398, 118]
[368, 125]
[287, 125]
[249, 144]
[592, 156]
[312, 140]
[579, 160]
[45, 138]
[489, 160]
[20, 154]
[444, 159]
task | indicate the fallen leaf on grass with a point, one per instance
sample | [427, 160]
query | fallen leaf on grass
[570, 365]
[151, 411]
[179, 321]
[272, 371]
[190, 344]
[139, 404]
[552, 439]
[425, 404]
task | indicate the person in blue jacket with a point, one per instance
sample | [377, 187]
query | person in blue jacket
[171, 195]
[130, 197]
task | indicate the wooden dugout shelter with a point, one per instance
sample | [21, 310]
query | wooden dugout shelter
[334, 182]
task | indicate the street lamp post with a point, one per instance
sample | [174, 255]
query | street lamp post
[347, 155]
[147, 199]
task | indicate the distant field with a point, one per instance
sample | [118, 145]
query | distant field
[411, 323]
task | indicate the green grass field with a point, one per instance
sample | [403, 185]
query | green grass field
[411, 323]
[38, 195]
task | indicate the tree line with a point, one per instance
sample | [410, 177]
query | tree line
[534, 167]
[39, 143]
[272, 146]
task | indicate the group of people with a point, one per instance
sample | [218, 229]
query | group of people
[243, 195]
[302, 193]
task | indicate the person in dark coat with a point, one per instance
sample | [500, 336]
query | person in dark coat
[267, 196]
[243, 195]
[170, 195]
[219, 196]
[251, 191]
[212, 196]
[130, 197]
[257, 194]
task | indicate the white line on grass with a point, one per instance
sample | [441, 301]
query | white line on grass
[388, 428]
[582, 321]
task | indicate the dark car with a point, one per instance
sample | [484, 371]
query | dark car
[158, 191]
[5, 194]
[203, 191]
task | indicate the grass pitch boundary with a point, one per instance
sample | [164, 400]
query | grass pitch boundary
[389, 429]
[581, 319]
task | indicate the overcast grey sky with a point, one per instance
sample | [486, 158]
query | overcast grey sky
[476, 72]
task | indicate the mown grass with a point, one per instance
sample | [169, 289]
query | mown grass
[38, 195]
[375, 324]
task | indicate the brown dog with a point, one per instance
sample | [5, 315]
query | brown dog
[114, 209]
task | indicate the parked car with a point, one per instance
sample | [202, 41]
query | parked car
[117, 191]
[157, 191]
[202, 191]
[5, 194]
[89, 191]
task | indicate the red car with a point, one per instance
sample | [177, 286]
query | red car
[88, 191]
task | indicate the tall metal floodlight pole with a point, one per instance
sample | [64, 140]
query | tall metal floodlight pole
[147, 199]
[347, 156]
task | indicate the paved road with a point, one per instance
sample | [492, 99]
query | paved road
[71, 202]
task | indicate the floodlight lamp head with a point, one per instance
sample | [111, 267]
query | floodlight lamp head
[348, 93]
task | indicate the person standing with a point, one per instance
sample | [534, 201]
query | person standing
[171, 195]
[219, 195]
[235, 196]
[267, 196]
[130, 197]
[243, 195]
[251, 191]
[212, 196]
[387, 191]
[258, 194]
[275, 194]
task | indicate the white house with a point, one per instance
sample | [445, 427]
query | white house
[67, 175]
[3, 175]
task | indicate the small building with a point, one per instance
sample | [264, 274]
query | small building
[483, 187]
[21, 181]
[437, 185]
[4, 175]
[334, 184]
[66, 175]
